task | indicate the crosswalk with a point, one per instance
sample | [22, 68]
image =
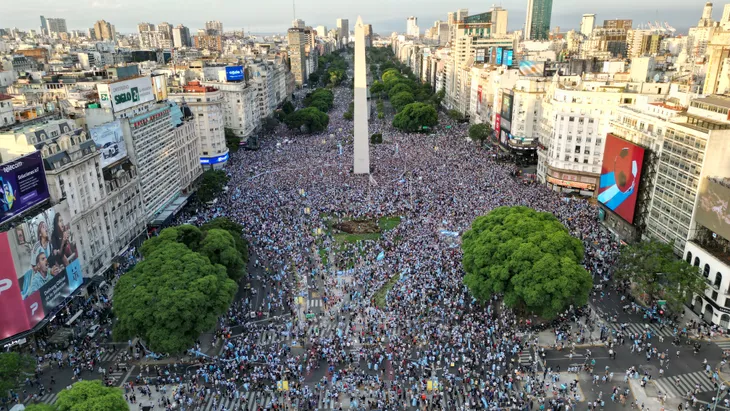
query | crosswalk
[679, 385]
[635, 328]
[314, 302]
[48, 398]
[724, 345]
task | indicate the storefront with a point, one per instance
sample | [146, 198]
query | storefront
[564, 181]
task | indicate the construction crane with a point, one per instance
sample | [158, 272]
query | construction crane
[669, 28]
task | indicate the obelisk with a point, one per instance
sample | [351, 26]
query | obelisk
[361, 157]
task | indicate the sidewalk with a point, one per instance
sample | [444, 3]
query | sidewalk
[648, 396]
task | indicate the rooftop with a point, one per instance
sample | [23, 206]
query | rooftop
[5, 97]
[719, 100]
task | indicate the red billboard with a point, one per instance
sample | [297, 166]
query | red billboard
[620, 176]
[40, 268]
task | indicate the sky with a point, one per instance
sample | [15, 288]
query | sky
[386, 16]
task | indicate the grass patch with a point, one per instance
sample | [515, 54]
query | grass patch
[323, 256]
[353, 238]
[383, 291]
[388, 223]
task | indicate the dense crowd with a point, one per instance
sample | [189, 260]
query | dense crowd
[288, 194]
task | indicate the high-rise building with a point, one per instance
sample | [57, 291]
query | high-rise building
[214, 27]
[298, 23]
[699, 36]
[499, 21]
[144, 27]
[321, 31]
[412, 27]
[104, 31]
[55, 26]
[43, 25]
[297, 54]
[343, 31]
[206, 105]
[537, 25]
[165, 30]
[587, 23]
[208, 42]
[717, 77]
[181, 36]
[625, 24]
[368, 35]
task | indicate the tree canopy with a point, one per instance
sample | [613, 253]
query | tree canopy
[402, 99]
[527, 256]
[211, 184]
[287, 107]
[657, 274]
[220, 248]
[40, 407]
[480, 132]
[232, 140]
[236, 230]
[170, 297]
[377, 87]
[414, 116]
[399, 88]
[310, 120]
[91, 395]
[14, 368]
[321, 98]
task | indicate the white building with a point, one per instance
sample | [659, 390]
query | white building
[206, 106]
[106, 208]
[587, 23]
[412, 27]
[7, 118]
[240, 108]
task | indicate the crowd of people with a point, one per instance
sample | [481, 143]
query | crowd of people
[430, 332]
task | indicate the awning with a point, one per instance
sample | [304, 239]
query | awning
[75, 316]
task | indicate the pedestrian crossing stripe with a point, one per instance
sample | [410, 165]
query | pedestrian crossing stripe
[636, 328]
[724, 345]
[314, 302]
[687, 383]
[48, 398]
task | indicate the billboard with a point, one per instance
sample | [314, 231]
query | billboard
[532, 68]
[499, 56]
[125, 94]
[214, 160]
[620, 175]
[234, 73]
[41, 268]
[506, 110]
[159, 87]
[109, 141]
[712, 210]
[22, 185]
[508, 57]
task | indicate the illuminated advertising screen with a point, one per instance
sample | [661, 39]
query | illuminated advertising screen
[620, 175]
[214, 160]
[499, 56]
[712, 210]
[508, 57]
[22, 185]
[507, 107]
[532, 68]
[234, 73]
[109, 141]
[40, 269]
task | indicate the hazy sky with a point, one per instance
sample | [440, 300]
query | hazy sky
[276, 15]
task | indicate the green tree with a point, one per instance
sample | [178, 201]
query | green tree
[348, 115]
[402, 99]
[377, 87]
[657, 274]
[211, 184]
[220, 248]
[235, 229]
[91, 395]
[232, 140]
[480, 132]
[455, 115]
[389, 74]
[314, 78]
[310, 120]
[189, 235]
[269, 124]
[399, 88]
[322, 95]
[170, 297]
[414, 116]
[320, 105]
[287, 108]
[527, 256]
[376, 138]
[14, 369]
[438, 97]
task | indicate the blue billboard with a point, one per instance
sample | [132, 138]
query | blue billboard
[22, 185]
[234, 73]
[508, 57]
[499, 56]
[214, 160]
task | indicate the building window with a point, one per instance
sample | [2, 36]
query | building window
[689, 257]
[697, 262]
[707, 270]
[718, 280]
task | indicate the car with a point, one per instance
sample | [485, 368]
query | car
[109, 149]
[93, 330]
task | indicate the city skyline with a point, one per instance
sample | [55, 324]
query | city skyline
[385, 18]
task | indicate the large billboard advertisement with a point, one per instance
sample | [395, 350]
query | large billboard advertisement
[125, 94]
[620, 175]
[532, 68]
[506, 110]
[109, 141]
[22, 185]
[234, 73]
[40, 268]
[712, 210]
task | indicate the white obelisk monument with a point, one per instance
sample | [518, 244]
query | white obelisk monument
[361, 157]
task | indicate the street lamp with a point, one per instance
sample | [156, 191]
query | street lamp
[720, 388]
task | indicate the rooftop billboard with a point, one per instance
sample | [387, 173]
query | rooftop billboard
[109, 140]
[40, 268]
[234, 73]
[620, 176]
[712, 209]
[125, 94]
[22, 185]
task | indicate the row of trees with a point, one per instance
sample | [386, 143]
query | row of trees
[186, 280]
[313, 117]
[331, 70]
